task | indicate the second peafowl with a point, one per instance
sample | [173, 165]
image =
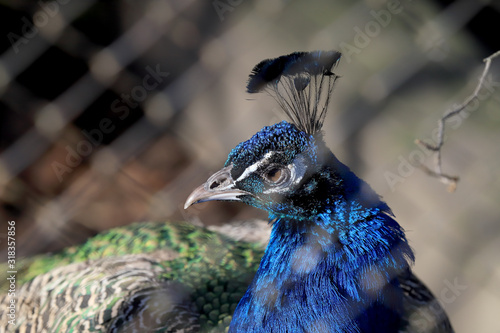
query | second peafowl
[336, 261]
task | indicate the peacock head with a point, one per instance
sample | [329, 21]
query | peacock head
[275, 170]
[286, 168]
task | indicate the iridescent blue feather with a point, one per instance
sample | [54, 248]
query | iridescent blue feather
[336, 256]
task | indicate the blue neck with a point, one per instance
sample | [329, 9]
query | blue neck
[333, 273]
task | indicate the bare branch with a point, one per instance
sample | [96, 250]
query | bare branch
[449, 180]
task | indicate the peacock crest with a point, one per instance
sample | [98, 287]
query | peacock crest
[301, 83]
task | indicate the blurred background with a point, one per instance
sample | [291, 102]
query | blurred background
[113, 112]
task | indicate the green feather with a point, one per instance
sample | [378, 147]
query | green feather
[154, 277]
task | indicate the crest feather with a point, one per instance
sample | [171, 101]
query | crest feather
[301, 83]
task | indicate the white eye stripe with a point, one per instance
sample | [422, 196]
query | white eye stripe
[297, 170]
[254, 167]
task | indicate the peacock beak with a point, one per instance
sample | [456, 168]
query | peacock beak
[220, 186]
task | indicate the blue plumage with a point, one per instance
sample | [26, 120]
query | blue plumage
[336, 261]
[330, 247]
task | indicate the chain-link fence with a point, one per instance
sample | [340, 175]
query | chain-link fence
[112, 112]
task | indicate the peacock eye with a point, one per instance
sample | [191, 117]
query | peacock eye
[274, 175]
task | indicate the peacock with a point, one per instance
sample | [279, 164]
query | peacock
[336, 259]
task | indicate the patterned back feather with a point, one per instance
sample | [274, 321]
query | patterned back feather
[146, 277]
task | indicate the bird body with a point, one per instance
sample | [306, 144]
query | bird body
[336, 261]
[145, 277]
